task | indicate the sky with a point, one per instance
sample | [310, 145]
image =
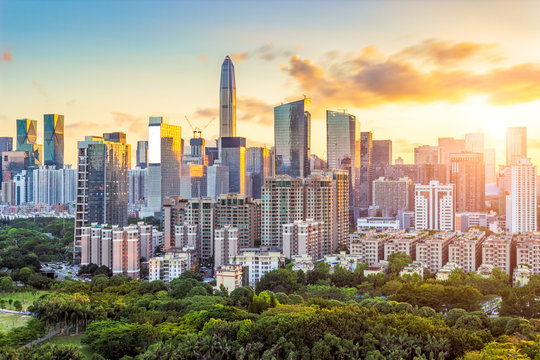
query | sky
[410, 71]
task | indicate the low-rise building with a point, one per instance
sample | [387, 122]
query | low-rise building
[377, 223]
[347, 261]
[169, 266]
[230, 276]
[374, 269]
[522, 275]
[302, 262]
[416, 267]
[403, 242]
[466, 250]
[444, 273]
[485, 270]
[256, 263]
[369, 245]
[500, 251]
[433, 250]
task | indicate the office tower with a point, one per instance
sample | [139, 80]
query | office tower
[217, 181]
[6, 144]
[26, 132]
[432, 251]
[382, 152]
[233, 155]
[242, 213]
[467, 174]
[54, 186]
[201, 212]
[282, 203]
[164, 161]
[53, 125]
[317, 164]
[343, 149]
[137, 183]
[142, 154]
[193, 181]
[225, 245]
[466, 250]
[448, 146]
[474, 142]
[102, 184]
[434, 206]
[426, 154]
[390, 196]
[521, 201]
[491, 165]
[212, 154]
[13, 162]
[303, 237]
[174, 208]
[366, 174]
[292, 138]
[516, 144]
[227, 100]
[197, 153]
[258, 165]
[500, 251]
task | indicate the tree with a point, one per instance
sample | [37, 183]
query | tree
[17, 305]
[279, 280]
[6, 284]
[242, 296]
[397, 261]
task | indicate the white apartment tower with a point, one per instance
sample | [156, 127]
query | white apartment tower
[434, 206]
[521, 202]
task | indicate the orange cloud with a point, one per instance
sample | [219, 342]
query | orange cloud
[40, 89]
[203, 57]
[248, 110]
[239, 57]
[370, 79]
[7, 56]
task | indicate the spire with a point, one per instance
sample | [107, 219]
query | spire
[227, 100]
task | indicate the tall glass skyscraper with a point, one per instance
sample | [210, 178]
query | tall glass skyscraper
[164, 161]
[54, 140]
[366, 173]
[233, 155]
[227, 100]
[292, 138]
[343, 148]
[258, 166]
[142, 154]
[26, 132]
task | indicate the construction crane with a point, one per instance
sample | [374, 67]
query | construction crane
[197, 132]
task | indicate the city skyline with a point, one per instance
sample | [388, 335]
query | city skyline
[272, 67]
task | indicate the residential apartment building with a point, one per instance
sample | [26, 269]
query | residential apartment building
[528, 251]
[466, 250]
[434, 206]
[403, 242]
[433, 250]
[500, 251]
[303, 237]
[257, 263]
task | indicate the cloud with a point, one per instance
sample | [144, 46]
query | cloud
[40, 89]
[266, 52]
[370, 79]
[405, 143]
[131, 124]
[248, 109]
[71, 102]
[533, 143]
[203, 57]
[7, 56]
[206, 113]
[239, 57]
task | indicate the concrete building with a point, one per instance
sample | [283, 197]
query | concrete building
[427, 154]
[516, 144]
[466, 250]
[433, 250]
[377, 223]
[478, 219]
[217, 181]
[241, 212]
[369, 245]
[54, 186]
[225, 245]
[474, 143]
[303, 237]
[521, 203]
[468, 175]
[257, 263]
[201, 211]
[404, 243]
[434, 206]
[137, 185]
[500, 251]
[282, 203]
[168, 267]
[13, 162]
[528, 251]
[444, 273]
[229, 276]
[522, 275]
[173, 214]
[366, 174]
[491, 165]
[390, 196]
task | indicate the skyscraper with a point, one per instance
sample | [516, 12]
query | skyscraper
[233, 155]
[227, 100]
[292, 136]
[343, 149]
[53, 125]
[434, 207]
[468, 175]
[516, 144]
[448, 146]
[164, 161]
[142, 154]
[26, 141]
[521, 202]
[491, 165]
[258, 166]
[474, 142]
[6, 144]
[102, 186]
[426, 154]
[382, 152]
[366, 173]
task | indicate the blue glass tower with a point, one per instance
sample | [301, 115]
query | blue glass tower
[227, 100]
[54, 140]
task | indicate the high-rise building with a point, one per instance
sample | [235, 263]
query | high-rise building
[174, 208]
[500, 251]
[343, 149]
[137, 183]
[102, 185]
[449, 146]
[164, 161]
[321, 207]
[391, 196]
[142, 154]
[282, 203]
[426, 154]
[382, 152]
[432, 251]
[233, 155]
[217, 180]
[6, 144]
[516, 144]
[225, 245]
[434, 206]
[258, 165]
[366, 173]
[303, 237]
[474, 142]
[197, 153]
[13, 162]
[528, 251]
[491, 165]
[521, 202]
[53, 140]
[54, 186]
[26, 132]
[467, 174]
[193, 182]
[240, 212]
[292, 138]
[201, 211]
[466, 250]
[227, 100]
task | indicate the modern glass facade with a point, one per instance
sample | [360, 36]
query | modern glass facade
[343, 148]
[54, 140]
[227, 100]
[292, 136]
[233, 155]
[366, 175]
[142, 154]
[26, 132]
[164, 161]
[258, 167]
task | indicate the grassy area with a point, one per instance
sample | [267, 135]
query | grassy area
[25, 297]
[73, 340]
[10, 321]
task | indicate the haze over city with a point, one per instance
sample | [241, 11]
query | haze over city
[409, 71]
